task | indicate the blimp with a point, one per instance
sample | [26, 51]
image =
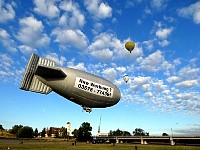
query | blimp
[43, 76]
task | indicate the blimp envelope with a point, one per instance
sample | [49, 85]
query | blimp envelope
[44, 76]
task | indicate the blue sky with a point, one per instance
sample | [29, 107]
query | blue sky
[163, 92]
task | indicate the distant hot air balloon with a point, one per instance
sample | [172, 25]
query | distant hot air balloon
[126, 78]
[130, 46]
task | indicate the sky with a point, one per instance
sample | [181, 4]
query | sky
[163, 92]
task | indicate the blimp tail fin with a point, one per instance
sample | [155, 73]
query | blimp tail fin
[49, 72]
[30, 82]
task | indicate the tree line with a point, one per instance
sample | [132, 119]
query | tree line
[83, 133]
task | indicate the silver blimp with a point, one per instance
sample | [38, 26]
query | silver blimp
[87, 90]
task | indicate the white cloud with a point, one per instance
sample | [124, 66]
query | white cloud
[103, 54]
[141, 80]
[147, 11]
[152, 62]
[121, 69]
[46, 8]
[173, 79]
[187, 84]
[5, 61]
[163, 33]
[115, 46]
[31, 33]
[185, 96]
[26, 49]
[149, 44]
[163, 43]
[72, 18]
[97, 28]
[158, 4]
[98, 9]
[110, 74]
[6, 10]
[79, 66]
[149, 94]
[159, 86]
[59, 61]
[6, 41]
[191, 11]
[189, 72]
[9, 71]
[67, 38]
[188, 131]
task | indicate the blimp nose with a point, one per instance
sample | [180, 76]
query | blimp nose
[116, 96]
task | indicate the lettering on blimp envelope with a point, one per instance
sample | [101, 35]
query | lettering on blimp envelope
[93, 87]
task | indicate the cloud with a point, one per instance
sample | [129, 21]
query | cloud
[121, 69]
[31, 33]
[152, 62]
[103, 54]
[110, 74]
[68, 38]
[187, 84]
[46, 8]
[97, 28]
[173, 79]
[59, 61]
[158, 4]
[189, 72]
[187, 131]
[192, 10]
[98, 9]
[72, 18]
[164, 43]
[6, 41]
[26, 49]
[108, 42]
[140, 83]
[8, 69]
[6, 61]
[141, 80]
[149, 44]
[7, 12]
[159, 86]
[163, 33]
[79, 66]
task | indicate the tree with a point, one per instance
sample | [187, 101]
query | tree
[165, 134]
[119, 132]
[140, 132]
[43, 132]
[25, 132]
[15, 129]
[64, 133]
[83, 133]
[50, 132]
[1, 127]
[35, 132]
[126, 133]
[75, 133]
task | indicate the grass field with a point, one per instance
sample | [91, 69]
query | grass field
[61, 145]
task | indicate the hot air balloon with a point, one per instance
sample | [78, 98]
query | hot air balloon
[126, 78]
[130, 46]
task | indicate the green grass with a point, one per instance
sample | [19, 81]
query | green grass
[60, 145]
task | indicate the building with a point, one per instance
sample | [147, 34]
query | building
[69, 129]
[55, 132]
